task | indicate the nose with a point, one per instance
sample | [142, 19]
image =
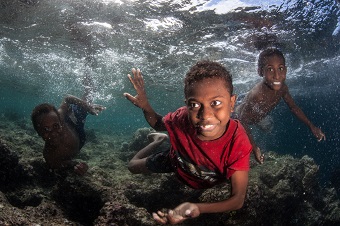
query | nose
[276, 74]
[204, 113]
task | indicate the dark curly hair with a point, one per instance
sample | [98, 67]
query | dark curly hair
[271, 51]
[208, 69]
[39, 110]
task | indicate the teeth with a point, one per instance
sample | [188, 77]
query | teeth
[276, 83]
[206, 126]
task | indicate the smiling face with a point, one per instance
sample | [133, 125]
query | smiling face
[210, 104]
[274, 72]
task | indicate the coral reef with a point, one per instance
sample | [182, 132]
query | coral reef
[282, 191]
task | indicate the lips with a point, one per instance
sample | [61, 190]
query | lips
[207, 128]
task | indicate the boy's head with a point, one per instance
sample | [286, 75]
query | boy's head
[265, 54]
[207, 69]
[208, 96]
[45, 119]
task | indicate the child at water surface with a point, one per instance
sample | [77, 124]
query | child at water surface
[62, 130]
[207, 147]
[266, 95]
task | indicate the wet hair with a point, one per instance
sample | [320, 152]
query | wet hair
[265, 54]
[207, 69]
[40, 110]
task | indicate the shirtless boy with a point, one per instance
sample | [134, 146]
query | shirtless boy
[265, 95]
[207, 147]
[63, 131]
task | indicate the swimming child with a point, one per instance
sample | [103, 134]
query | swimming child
[265, 95]
[207, 147]
[63, 131]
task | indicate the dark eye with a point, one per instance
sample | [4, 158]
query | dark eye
[270, 69]
[216, 103]
[194, 105]
[281, 68]
[46, 129]
[56, 126]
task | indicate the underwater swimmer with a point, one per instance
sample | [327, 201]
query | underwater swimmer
[265, 95]
[207, 147]
[63, 131]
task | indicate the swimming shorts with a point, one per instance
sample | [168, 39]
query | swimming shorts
[77, 119]
[159, 162]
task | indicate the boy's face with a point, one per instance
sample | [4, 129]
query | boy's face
[274, 72]
[209, 104]
[49, 126]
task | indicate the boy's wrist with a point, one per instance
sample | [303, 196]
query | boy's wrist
[147, 108]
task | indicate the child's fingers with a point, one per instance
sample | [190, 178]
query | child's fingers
[321, 137]
[131, 98]
[137, 78]
[160, 217]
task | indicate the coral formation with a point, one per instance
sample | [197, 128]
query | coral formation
[285, 188]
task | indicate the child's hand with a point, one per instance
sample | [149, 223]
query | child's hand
[81, 168]
[95, 109]
[259, 157]
[178, 215]
[140, 100]
[318, 133]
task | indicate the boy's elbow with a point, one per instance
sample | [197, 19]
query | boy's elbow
[239, 205]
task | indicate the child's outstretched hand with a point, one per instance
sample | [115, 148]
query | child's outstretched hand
[140, 100]
[318, 133]
[179, 214]
[95, 109]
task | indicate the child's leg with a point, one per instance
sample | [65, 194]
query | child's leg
[138, 163]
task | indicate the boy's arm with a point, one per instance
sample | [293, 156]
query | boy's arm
[239, 182]
[259, 157]
[301, 116]
[140, 100]
[93, 109]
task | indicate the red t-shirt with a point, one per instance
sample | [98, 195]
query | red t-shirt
[203, 164]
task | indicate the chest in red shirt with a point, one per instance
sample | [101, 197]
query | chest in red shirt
[203, 164]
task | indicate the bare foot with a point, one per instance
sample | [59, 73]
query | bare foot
[258, 156]
[159, 137]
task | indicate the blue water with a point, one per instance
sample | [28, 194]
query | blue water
[45, 47]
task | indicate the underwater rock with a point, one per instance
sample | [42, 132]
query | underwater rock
[79, 198]
[9, 167]
[285, 188]
[117, 214]
[91, 136]
[139, 141]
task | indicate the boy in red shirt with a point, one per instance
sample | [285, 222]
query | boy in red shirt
[207, 147]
